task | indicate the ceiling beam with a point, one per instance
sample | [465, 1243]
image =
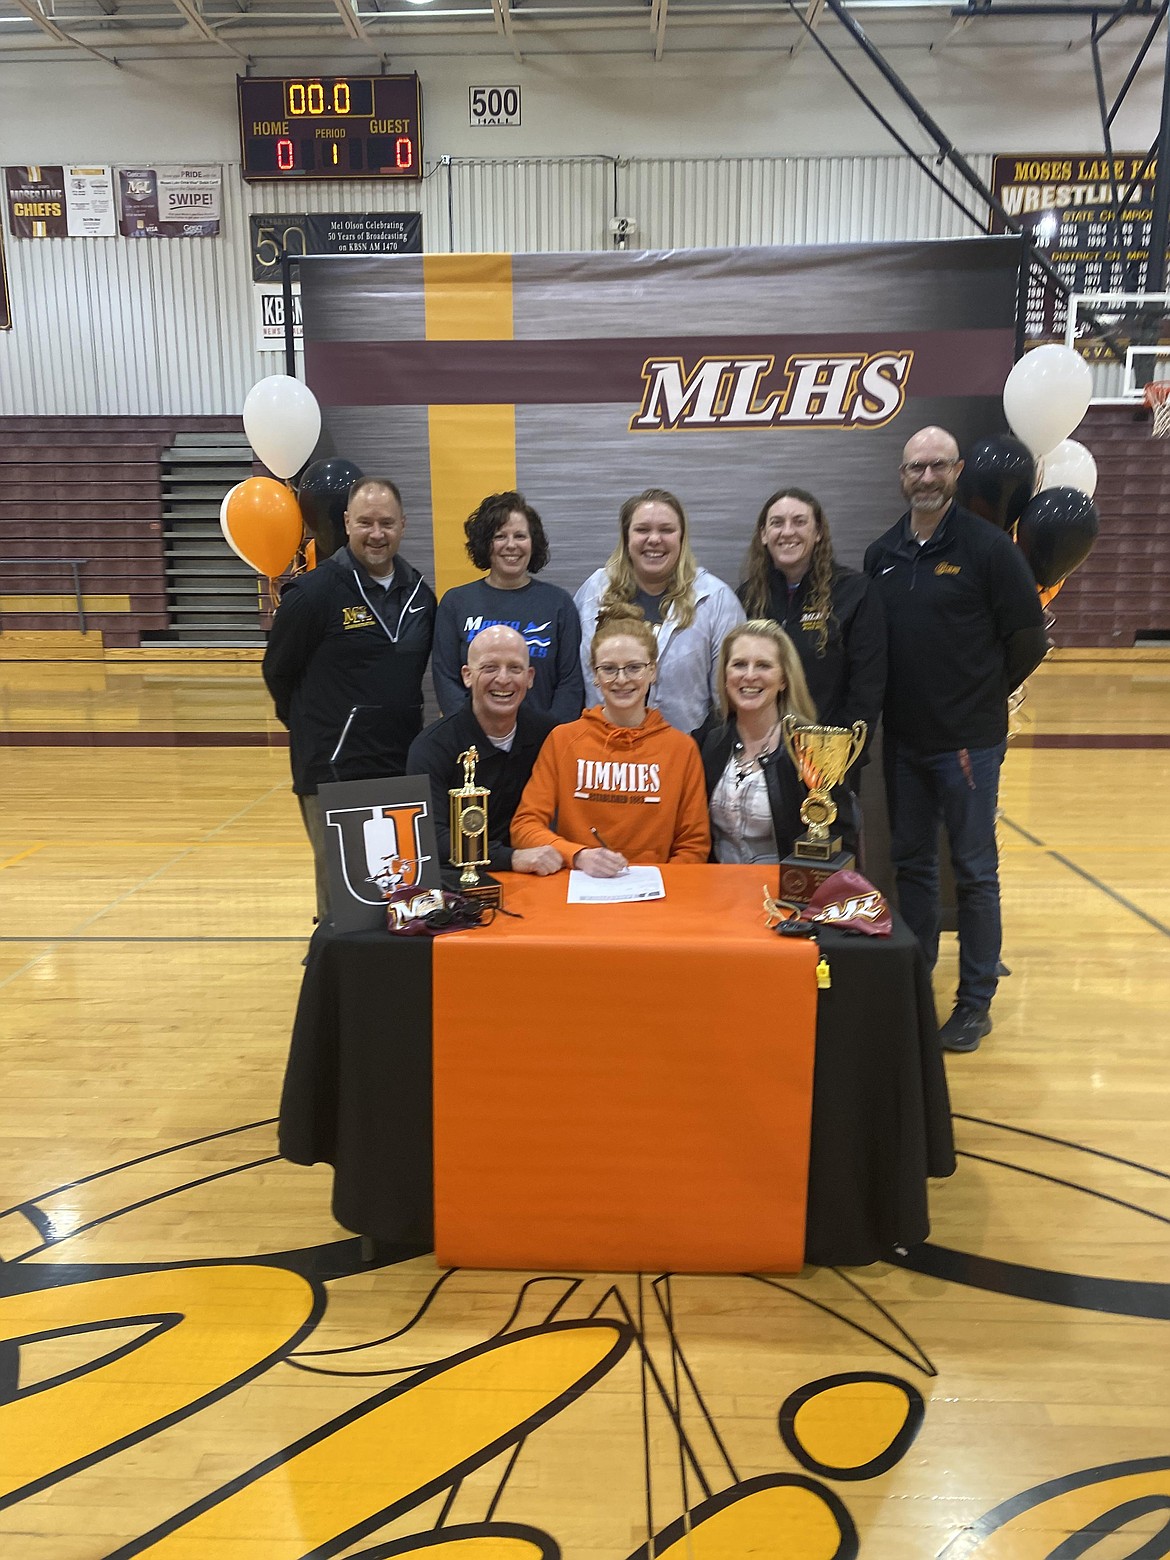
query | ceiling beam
[658, 26]
[502, 12]
[190, 11]
[35, 14]
[812, 16]
[350, 20]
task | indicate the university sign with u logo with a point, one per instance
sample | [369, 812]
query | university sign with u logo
[380, 837]
[381, 848]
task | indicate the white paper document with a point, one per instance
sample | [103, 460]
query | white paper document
[634, 883]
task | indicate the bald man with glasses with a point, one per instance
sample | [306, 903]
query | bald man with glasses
[965, 628]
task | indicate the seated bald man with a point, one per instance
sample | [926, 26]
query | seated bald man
[507, 736]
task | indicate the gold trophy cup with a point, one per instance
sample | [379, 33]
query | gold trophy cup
[821, 756]
[469, 833]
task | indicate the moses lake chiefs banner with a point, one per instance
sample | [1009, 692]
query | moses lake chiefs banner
[720, 374]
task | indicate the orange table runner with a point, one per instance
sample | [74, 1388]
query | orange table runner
[624, 1087]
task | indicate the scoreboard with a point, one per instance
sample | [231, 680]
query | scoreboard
[330, 127]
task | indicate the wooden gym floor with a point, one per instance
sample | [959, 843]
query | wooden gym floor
[193, 1362]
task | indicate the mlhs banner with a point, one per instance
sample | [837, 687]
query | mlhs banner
[721, 374]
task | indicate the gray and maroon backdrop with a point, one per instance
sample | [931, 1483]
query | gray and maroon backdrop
[720, 374]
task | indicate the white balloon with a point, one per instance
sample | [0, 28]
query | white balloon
[1070, 465]
[223, 523]
[1046, 395]
[283, 423]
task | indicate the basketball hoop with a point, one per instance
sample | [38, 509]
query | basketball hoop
[1157, 397]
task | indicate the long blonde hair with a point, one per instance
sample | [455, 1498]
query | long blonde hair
[678, 599]
[795, 698]
[820, 568]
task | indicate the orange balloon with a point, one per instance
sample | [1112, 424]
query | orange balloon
[263, 521]
[1050, 594]
[310, 555]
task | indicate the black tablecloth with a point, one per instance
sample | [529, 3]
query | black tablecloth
[357, 1092]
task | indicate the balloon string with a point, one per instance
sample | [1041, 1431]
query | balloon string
[304, 559]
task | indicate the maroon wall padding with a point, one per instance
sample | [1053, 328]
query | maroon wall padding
[1122, 590]
[89, 487]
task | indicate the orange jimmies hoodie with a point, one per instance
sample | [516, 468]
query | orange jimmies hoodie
[641, 788]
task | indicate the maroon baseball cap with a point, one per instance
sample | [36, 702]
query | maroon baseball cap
[851, 902]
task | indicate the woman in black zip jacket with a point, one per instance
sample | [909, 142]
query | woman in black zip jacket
[832, 614]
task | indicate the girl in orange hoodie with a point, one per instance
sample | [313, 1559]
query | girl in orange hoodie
[619, 785]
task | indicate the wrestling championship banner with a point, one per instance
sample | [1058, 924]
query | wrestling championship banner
[1067, 203]
[720, 374]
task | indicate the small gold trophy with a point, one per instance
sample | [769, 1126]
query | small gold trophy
[822, 756]
[469, 833]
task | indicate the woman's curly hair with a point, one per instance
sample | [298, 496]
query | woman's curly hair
[481, 526]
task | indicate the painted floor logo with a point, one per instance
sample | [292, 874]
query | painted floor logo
[514, 1416]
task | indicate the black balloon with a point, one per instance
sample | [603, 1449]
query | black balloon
[997, 479]
[1056, 533]
[322, 494]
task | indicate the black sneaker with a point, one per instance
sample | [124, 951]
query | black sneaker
[964, 1029]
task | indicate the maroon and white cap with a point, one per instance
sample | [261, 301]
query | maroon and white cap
[851, 902]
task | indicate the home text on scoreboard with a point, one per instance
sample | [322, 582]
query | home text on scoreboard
[330, 127]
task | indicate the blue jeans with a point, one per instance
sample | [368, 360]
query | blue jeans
[961, 791]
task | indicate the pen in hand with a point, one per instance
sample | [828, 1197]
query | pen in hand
[597, 836]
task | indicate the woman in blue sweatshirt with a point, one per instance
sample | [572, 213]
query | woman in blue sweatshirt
[505, 536]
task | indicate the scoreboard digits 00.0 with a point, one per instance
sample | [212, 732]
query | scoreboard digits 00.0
[330, 127]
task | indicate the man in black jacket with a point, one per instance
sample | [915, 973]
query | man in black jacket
[965, 628]
[346, 656]
[506, 735]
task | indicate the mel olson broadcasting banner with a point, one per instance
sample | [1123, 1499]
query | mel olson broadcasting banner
[721, 374]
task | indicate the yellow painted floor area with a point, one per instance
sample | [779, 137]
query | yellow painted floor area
[193, 1361]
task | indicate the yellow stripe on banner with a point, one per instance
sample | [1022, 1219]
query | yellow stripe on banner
[472, 448]
[473, 453]
[468, 297]
[29, 603]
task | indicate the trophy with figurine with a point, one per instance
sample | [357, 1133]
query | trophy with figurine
[469, 834]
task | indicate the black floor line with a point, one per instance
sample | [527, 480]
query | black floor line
[130, 1164]
[1111, 893]
[1047, 1137]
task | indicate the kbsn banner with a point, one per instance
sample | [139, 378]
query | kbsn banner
[720, 374]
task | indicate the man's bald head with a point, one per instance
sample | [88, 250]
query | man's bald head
[928, 442]
[498, 675]
[930, 472]
[497, 640]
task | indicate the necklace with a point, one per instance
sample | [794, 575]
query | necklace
[748, 763]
